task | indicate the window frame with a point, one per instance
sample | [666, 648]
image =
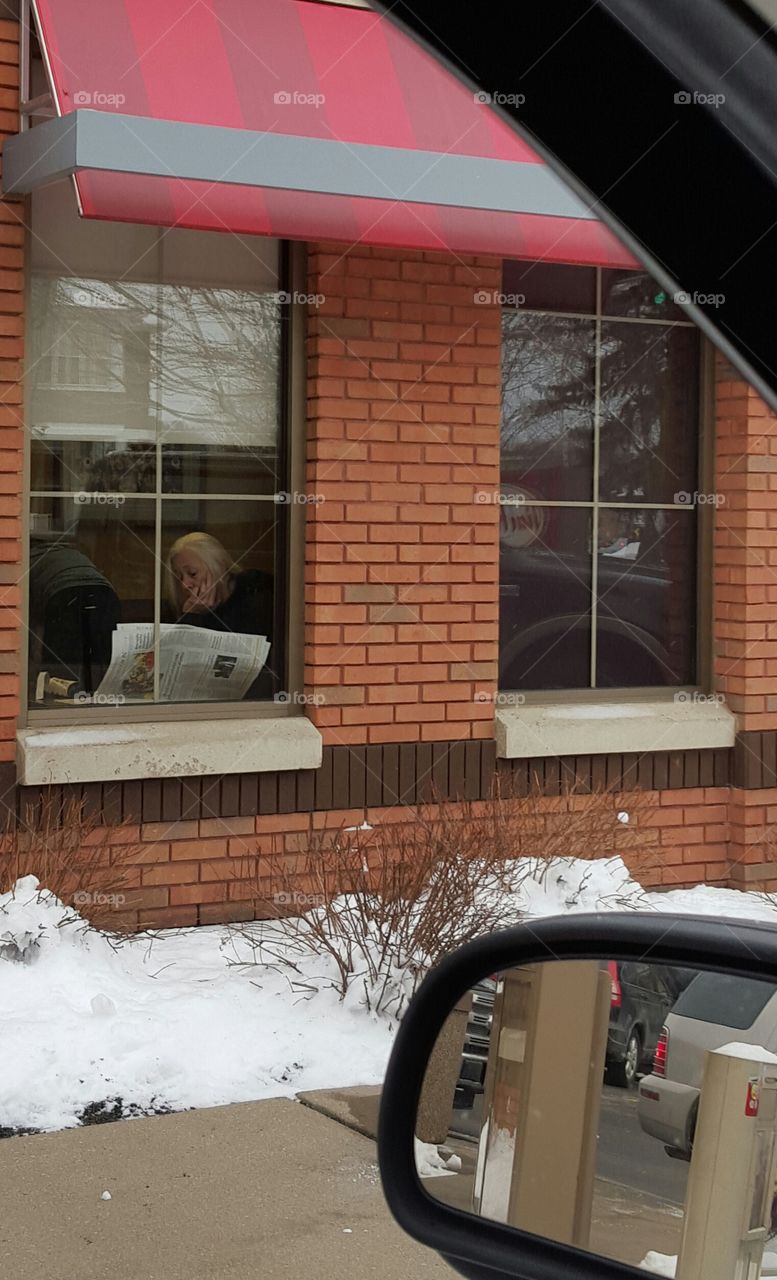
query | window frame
[291, 560]
[703, 558]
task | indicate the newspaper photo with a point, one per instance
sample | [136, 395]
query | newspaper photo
[195, 664]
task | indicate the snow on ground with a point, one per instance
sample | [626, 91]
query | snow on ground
[173, 1020]
[661, 1264]
[160, 1023]
[665, 1264]
[431, 1164]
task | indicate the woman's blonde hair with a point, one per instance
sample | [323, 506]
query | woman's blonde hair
[210, 551]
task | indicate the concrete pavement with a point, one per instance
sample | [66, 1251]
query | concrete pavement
[260, 1189]
[356, 1107]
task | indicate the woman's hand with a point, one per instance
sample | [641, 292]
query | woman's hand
[202, 597]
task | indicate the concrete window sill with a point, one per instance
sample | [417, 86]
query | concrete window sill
[165, 749]
[595, 728]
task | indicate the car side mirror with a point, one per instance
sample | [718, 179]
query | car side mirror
[591, 1096]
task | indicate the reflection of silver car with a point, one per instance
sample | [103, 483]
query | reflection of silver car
[714, 1010]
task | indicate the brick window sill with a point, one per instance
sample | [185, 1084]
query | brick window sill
[596, 728]
[166, 749]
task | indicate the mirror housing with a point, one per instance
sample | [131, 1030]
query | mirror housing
[477, 1247]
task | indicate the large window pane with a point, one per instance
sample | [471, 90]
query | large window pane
[118, 367]
[645, 598]
[154, 405]
[89, 404]
[619, 392]
[545, 593]
[649, 410]
[548, 405]
[218, 386]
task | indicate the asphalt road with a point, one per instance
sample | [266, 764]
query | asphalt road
[630, 1157]
[626, 1156]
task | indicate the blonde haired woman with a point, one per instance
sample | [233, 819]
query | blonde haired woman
[206, 589]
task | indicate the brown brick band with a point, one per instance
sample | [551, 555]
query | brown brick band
[754, 764]
[387, 774]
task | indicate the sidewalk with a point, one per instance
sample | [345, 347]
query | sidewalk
[268, 1188]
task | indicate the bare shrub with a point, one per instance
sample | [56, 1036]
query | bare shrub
[71, 854]
[379, 906]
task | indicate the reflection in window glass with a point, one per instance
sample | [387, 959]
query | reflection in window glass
[545, 597]
[633, 293]
[548, 405]
[649, 395]
[599, 432]
[121, 368]
[154, 406]
[645, 591]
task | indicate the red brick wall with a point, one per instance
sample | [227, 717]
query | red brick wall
[11, 438]
[753, 843]
[745, 613]
[401, 582]
[745, 609]
[214, 870]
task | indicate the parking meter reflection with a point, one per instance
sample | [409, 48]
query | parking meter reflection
[604, 1104]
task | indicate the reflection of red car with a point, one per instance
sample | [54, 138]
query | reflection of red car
[642, 995]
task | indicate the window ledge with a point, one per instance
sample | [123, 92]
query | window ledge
[166, 749]
[594, 728]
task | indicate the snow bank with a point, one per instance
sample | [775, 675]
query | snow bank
[179, 1020]
[160, 1023]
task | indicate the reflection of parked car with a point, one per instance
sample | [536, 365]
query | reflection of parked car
[715, 1009]
[642, 995]
[475, 1053]
[545, 606]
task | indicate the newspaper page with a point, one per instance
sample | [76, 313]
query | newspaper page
[195, 664]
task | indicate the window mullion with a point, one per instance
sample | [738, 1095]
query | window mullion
[595, 494]
[158, 328]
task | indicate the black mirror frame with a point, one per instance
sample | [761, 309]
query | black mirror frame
[472, 1246]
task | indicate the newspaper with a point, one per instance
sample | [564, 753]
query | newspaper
[195, 664]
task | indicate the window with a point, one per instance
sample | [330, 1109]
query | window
[599, 449]
[728, 1000]
[158, 464]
